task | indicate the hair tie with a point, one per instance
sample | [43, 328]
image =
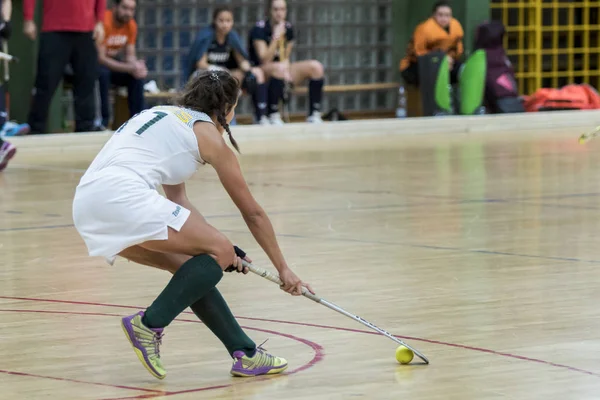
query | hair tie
[214, 77]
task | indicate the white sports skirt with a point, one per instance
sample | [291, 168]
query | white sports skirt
[114, 209]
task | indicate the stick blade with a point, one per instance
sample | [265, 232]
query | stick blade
[586, 137]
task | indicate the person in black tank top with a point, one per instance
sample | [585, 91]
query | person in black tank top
[270, 45]
[221, 54]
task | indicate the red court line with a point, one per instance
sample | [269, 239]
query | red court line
[150, 396]
[460, 346]
[455, 345]
[61, 312]
[155, 392]
[84, 303]
[191, 390]
[318, 349]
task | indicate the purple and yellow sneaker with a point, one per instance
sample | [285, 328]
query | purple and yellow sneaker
[7, 151]
[146, 343]
[262, 363]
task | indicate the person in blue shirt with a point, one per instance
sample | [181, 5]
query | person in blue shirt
[270, 45]
[219, 47]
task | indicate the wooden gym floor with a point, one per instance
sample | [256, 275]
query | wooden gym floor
[481, 250]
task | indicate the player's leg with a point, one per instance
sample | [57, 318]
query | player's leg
[313, 71]
[169, 262]
[275, 74]
[216, 315]
[210, 253]
[211, 309]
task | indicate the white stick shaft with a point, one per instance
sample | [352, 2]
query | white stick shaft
[275, 279]
[375, 328]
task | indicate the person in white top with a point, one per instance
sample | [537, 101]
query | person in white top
[118, 211]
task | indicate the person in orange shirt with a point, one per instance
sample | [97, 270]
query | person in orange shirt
[119, 64]
[425, 66]
[441, 32]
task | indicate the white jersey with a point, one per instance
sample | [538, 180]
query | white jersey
[117, 204]
[158, 144]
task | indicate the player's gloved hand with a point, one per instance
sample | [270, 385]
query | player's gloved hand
[241, 255]
[250, 84]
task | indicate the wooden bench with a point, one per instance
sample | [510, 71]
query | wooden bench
[121, 110]
[363, 87]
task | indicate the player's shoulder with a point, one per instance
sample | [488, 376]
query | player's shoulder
[288, 25]
[262, 24]
[210, 142]
[184, 115]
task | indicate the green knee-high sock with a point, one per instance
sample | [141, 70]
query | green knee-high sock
[216, 315]
[190, 283]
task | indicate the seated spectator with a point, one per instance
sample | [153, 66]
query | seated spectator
[220, 47]
[425, 66]
[440, 32]
[270, 44]
[119, 65]
[501, 88]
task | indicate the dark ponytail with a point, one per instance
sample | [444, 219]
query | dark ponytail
[214, 93]
[223, 121]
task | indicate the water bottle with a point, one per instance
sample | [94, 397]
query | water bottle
[401, 110]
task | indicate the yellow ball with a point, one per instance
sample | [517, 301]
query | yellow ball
[404, 355]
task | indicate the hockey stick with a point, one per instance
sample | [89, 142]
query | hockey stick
[269, 276]
[7, 57]
[589, 135]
